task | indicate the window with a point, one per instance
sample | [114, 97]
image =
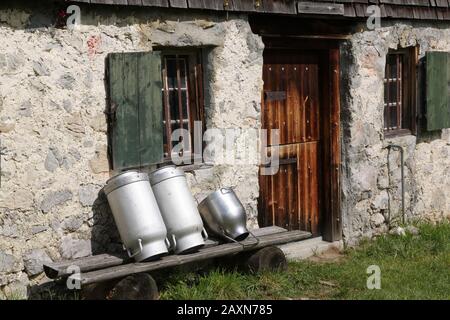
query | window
[400, 91]
[182, 95]
[150, 95]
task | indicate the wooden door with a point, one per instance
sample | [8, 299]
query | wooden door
[292, 103]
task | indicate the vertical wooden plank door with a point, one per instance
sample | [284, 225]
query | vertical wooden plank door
[291, 103]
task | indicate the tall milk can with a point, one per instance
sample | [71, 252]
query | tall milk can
[137, 216]
[178, 208]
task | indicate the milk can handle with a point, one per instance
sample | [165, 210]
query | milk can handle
[137, 252]
[225, 190]
[174, 240]
[204, 234]
[168, 245]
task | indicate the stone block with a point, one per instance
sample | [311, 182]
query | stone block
[33, 261]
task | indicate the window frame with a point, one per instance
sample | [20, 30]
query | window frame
[408, 94]
[195, 97]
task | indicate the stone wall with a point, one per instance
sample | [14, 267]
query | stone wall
[54, 133]
[366, 177]
[53, 126]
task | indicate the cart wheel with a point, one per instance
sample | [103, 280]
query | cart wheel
[140, 286]
[266, 259]
[97, 291]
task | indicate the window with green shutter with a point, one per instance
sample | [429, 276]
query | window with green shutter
[135, 115]
[400, 91]
[438, 90]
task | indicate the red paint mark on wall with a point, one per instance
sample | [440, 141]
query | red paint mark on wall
[94, 43]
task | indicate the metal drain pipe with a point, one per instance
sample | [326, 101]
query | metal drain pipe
[400, 148]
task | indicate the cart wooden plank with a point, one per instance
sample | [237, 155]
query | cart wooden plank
[62, 269]
[205, 253]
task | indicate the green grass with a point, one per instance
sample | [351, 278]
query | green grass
[412, 267]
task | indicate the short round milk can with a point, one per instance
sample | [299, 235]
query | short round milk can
[137, 215]
[178, 209]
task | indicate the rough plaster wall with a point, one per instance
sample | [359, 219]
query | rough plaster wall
[366, 197]
[233, 102]
[53, 127]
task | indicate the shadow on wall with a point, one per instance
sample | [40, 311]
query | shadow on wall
[105, 237]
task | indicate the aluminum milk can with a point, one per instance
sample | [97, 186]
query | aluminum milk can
[137, 215]
[224, 215]
[178, 209]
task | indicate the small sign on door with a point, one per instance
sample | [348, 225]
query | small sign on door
[274, 95]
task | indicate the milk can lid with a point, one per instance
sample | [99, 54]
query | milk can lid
[123, 179]
[165, 173]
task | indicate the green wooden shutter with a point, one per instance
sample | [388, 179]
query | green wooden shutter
[438, 90]
[136, 109]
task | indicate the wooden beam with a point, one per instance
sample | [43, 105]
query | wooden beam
[156, 3]
[332, 227]
[207, 253]
[320, 8]
[61, 269]
[178, 3]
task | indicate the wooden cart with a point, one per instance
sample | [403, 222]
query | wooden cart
[116, 277]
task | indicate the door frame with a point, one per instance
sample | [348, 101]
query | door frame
[330, 157]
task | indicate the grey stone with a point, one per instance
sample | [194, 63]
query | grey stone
[204, 24]
[438, 199]
[7, 262]
[72, 224]
[100, 163]
[67, 105]
[55, 198]
[25, 109]
[167, 26]
[381, 201]
[88, 144]
[412, 230]
[397, 231]
[75, 124]
[67, 162]
[38, 229]
[98, 123]
[33, 261]
[6, 125]
[365, 177]
[377, 219]
[51, 163]
[17, 287]
[382, 182]
[367, 194]
[59, 157]
[88, 79]
[75, 154]
[10, 63]
[23, 199]
[87, 194]
[40, 69]
[66, 81]
[71, 248]
[9, 229]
